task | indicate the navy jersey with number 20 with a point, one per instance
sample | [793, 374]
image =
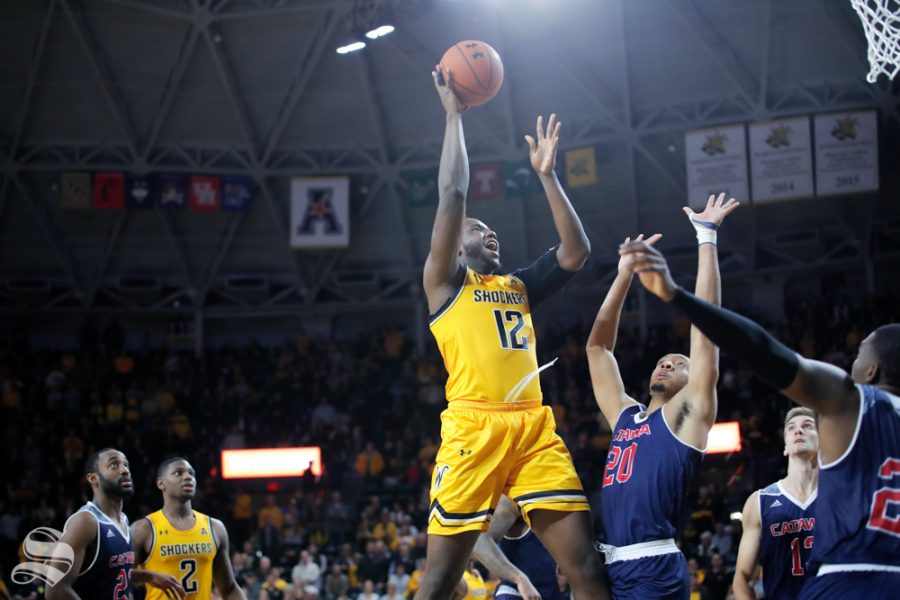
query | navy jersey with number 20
[646, 479]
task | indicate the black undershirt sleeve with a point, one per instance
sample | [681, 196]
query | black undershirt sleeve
[750, 344]
[544, 277]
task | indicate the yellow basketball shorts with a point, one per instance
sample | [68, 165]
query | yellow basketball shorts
[489, 449]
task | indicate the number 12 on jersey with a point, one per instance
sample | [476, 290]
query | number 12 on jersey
[511, 339]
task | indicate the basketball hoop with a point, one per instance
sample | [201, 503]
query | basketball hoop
[881, 22]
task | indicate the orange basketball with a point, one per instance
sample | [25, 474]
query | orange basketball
[477, 71]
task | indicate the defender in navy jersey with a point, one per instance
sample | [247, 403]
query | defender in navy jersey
[511, 551]
[857, 545]
[98, 535]
[779, 522]
[655, 450]
[102, 565]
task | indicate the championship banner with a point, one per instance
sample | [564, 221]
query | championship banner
[846, 152]
[422, 186]
[109, 190]
[716, 162]
[205, 193]
[519, 180]
[173, 191]
[139, 192]
[320, 212]
[236, 193]
[781, 159]
[581, 167]
[485, 182]
[75, 190]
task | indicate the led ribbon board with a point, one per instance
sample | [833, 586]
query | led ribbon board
[271, 462]
[724, 437]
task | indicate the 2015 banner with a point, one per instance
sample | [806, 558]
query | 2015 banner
[846, 152]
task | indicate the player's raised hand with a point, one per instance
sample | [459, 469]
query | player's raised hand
[715, 212]
[651, 268]
[442, 78]
[542, 150]
[626, 261]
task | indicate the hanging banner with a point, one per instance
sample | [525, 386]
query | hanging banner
[139, 192]
[519, 179]
[485, 182]
[205, 193]
[75, 190]
[173, 191]
[581, 167]
[422, 188]
[320, 212]
[781, 159]
[109, 190]
[236, 193]
[716, 162]
[846, 152]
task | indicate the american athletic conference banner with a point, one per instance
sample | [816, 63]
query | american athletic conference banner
[320, 212]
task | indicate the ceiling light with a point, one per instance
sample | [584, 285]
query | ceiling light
[380, 32]
[351, 47]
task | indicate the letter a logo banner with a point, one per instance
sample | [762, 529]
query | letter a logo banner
[320, 212]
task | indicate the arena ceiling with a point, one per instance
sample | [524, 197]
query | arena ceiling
[255, 87]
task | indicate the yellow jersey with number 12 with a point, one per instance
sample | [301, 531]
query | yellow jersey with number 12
[186, 555]
[486, 338]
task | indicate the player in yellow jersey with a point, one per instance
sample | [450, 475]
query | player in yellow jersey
[182, 542]
[496, 437]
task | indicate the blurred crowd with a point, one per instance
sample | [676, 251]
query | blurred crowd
[372, 404]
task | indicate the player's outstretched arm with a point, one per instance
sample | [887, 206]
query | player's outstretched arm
[822, 387]
[80, 532]
[223, 574]
[488, 553]
[442, 266]
[704, 370]
[748, 551]
[605, 330]
[574, 247]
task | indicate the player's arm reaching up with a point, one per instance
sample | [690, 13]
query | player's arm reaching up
[696, 410]
[443, 269]
[574, 247]
[488, 553]
[608, 387]
[748, 551]
[824, 388]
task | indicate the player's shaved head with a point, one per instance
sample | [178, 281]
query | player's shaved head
[886, 344]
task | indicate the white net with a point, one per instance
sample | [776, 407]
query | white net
[881, 21]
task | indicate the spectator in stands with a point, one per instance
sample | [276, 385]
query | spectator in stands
[271, 514]
[306, 573]
[718, 581]
[337, 584]
[368, 591]
[369, 463]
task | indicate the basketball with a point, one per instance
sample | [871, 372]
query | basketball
[477, 71]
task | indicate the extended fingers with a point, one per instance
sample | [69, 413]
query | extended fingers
[540, 128]
[654, 238]
[531, 143]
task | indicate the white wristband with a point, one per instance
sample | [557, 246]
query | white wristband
[706, 231]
